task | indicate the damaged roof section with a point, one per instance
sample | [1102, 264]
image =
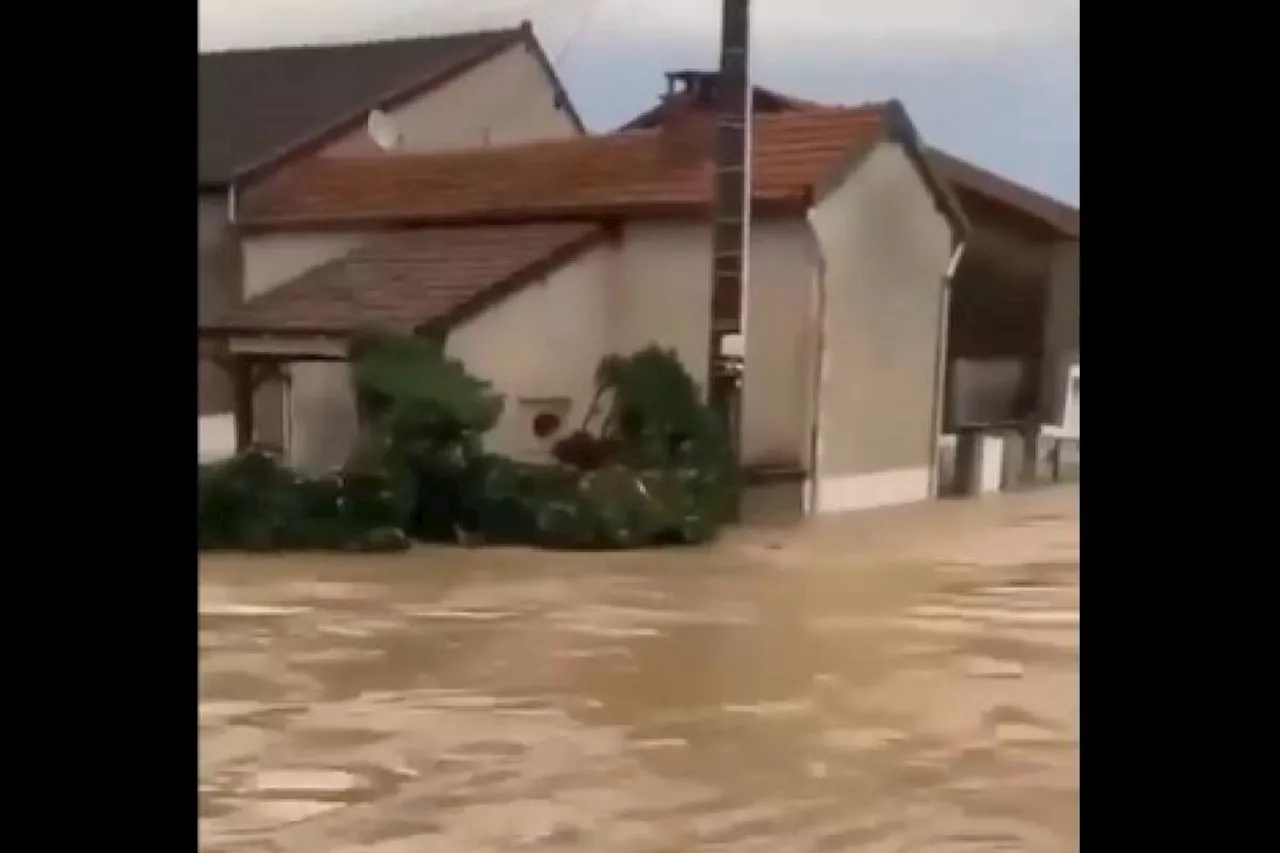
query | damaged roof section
[424, 279]
[762, 101]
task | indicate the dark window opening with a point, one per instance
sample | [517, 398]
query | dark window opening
[546, 424]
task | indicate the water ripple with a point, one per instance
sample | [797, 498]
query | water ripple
[881, 687]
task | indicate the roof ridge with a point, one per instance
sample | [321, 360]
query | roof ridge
[607, 175]
[370, 42]
[615, 137]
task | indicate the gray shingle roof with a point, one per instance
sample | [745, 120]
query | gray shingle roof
[254, 105]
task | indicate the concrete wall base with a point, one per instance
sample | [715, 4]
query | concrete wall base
[773, 505]
[869, 491]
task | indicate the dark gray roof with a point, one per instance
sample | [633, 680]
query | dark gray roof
[970, 181]
[257, 105]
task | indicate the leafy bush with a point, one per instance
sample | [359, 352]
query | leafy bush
[656, 421]
[252, 502]
[423, 417]
[406, 386]
[659, 472]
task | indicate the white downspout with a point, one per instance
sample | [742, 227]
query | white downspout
[940, 366]
[955, 262]
[231, 202]
[748, 144]
[819, 375]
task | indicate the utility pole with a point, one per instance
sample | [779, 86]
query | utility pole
[731, 215]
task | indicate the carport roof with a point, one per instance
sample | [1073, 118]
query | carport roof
[976, 183]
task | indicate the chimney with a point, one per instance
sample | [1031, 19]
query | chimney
[697, 88]
[688, 117]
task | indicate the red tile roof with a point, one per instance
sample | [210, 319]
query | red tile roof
[408, 280]
[668, 170]
[981, 190]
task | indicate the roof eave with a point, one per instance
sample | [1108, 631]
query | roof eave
[767, 205]
[1060, 218]
[217, 331]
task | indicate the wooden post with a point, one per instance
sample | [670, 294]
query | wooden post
[242, 396]
[731, 215]
[967, 469]
[1030, 434]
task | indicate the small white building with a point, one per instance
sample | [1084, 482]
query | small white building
[539, 259]
[262, 110]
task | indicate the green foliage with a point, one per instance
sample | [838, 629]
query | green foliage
[659, 472]
[659, 421]
[620, 508]
[423, 417]
[251, 502]
[407, 386]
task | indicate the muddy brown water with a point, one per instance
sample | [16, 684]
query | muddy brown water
[894, 681]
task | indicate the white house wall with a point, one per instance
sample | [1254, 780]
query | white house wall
[273, 258]
[662, 295]
[781, 327]
[504, 100]
[887, 249]
[284, 412]
[540, 348]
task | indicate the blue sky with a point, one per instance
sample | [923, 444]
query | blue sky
[994, 81]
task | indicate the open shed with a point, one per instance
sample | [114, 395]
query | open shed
[1014, 326]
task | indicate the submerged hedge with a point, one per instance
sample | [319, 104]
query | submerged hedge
[252, 502]
[657, 471]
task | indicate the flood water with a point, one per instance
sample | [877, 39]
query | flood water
[894, 681]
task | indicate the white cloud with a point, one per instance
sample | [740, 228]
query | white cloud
[225, 23]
